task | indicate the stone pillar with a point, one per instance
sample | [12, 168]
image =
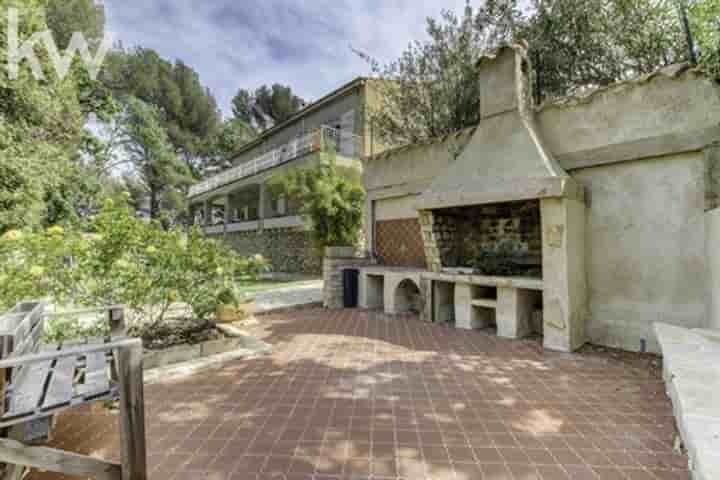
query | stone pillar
[430, 240]
[370, 226]
[564, 278]
[514, 312]
[442, 302]
[336, 259]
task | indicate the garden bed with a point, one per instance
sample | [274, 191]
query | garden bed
[184, 340]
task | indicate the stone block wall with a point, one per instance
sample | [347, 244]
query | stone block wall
[289, 250]
[399, 243]
[438, 232]
[455, 237]
[512, 229]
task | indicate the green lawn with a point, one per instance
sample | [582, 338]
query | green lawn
[253, 287]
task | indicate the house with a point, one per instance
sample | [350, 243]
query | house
[583, 219]
[238, 205]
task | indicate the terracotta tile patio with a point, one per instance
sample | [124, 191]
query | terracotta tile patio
[351, 394]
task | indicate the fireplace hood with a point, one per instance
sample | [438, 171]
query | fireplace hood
[506, 160]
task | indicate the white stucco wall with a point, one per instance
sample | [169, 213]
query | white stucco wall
[712, 247]
[396, 208]
[632, 111]
[649, 254]
[645, 248]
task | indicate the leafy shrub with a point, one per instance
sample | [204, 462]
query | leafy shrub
[116, 258]
[64, 329]
[331, 197]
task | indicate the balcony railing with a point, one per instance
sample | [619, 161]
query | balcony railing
[345, 143]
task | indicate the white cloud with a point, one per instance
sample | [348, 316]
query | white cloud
[243, 44]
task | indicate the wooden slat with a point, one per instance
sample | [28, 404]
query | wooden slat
[71, 352]
[30, 342]
[112, 395]
[10, 321]
[96, 376]
[52, 460]
[26, 325]
[60, 391]
[67, 313]
[27, 389]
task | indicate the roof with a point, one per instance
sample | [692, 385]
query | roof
[338, 92]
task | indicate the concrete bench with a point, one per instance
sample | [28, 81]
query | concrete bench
[395, 290]
[470, 301]
[479, 301]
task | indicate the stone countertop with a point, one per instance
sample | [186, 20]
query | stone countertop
[529, 283]
[691, 369]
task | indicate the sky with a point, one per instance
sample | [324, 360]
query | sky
[308, 44]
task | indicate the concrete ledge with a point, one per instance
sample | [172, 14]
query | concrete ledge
[185, 353]
[691, 369]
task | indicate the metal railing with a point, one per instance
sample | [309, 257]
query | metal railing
[345, 143]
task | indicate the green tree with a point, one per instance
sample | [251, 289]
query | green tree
[188, 111]
[705, 24]
[158, 169]
[434, 87]
[68, 16]
[40, 126]
[233, 134]
[577, 45]
[267, 106]
[331, 197]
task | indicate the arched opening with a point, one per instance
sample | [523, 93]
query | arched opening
[408, 297]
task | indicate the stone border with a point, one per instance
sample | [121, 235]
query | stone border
[691, 369]
[236, 340]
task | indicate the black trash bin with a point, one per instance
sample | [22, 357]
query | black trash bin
[351, 282]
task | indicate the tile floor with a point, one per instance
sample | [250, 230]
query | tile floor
[353, 394]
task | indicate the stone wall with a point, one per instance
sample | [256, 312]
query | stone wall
[290, 250]
[510, 233]
[433, 230]
[507, 232]
[399, 243]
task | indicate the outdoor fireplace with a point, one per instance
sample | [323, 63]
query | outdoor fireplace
[505, 215]
[503, 239]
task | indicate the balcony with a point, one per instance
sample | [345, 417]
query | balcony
[325, 138]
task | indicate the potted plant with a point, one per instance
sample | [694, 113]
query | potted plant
[233, 306]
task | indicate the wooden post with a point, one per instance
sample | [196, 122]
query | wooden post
[116, 318]
[132, 412]
[14, 471]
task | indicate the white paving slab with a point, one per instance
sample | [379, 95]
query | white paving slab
[282, 298]
[691, 368]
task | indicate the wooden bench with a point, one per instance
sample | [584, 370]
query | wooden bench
[43, 380]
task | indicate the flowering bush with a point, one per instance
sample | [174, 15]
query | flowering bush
[118, 258]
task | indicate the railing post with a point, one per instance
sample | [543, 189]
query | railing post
[132, 412]
[261, 208]
[116, 319]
